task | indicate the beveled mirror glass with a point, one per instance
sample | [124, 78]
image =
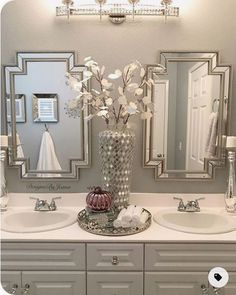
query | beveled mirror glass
[185, 138]
[49, 144]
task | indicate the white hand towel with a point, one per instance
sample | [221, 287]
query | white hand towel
[144, 217]
[118, 222]
[137, 214]
[210, 145]
[47, 155]
[127, 217]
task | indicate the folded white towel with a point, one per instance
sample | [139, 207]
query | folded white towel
[144, 217]
[127, 217]
[137, 214]
[118, 222]
[211, 137]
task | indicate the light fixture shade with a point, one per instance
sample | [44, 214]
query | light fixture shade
[118, 9]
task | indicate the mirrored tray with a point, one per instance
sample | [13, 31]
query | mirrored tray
[102, 223]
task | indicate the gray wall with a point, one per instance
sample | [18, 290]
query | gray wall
[203, 25]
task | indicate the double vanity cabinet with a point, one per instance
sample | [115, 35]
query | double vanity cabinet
[114, 267]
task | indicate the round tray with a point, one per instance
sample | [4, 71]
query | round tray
[102, 223]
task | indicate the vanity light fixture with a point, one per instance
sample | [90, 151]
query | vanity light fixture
[117, 12]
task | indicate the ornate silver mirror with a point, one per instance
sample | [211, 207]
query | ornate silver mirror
[185, 138]
[45, 142]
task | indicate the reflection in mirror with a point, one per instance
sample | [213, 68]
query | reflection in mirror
[38, 145]
[45, 108]
[185, 136]
[19, 108]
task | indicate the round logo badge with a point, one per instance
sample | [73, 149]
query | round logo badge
[218, 277]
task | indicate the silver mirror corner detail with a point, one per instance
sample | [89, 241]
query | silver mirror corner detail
[36, 93]
[185, 138]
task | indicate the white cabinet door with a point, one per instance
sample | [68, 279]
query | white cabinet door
[54, 282]
[116, 283]
[174, 283]
[10, 281]
[230, 288]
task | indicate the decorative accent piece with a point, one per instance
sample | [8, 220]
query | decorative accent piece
[99, 200]
[20, 108]
[45, 108]
[117, 12]
[4, 196]
[116, 149]
[230, 195]
[102, 223]
[117, 142]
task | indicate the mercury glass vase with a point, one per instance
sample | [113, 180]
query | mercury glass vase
[116, 149]
[230, 195]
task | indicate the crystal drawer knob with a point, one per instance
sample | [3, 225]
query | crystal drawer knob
[115, 260]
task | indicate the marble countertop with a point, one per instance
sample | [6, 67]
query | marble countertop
[155, 233]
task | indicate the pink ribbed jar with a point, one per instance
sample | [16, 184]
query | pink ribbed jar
[99, 200]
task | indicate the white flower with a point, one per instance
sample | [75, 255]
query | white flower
[132, 87]
[120, 90]
[109, 101]
[139, 91]
[116, 75]
[122, 100]
[106, 84]
[94, 69]
[147, 100]
[132, 108]
[88, 74]
[146, 115]
[87, 58]
[102, 70]
[142, 72]
[103, 111]
[98, 102]
[90, 63]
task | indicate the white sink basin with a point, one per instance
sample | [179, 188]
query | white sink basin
[204, 222]
[29, 221]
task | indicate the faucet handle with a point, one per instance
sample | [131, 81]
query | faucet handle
[199, 199]
[56, 198]
[181, 206]
[52, 205]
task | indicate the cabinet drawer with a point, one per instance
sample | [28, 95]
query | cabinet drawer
[117, 283]
[115, 257]
[197, 257]
[43, 256]
[172, 283]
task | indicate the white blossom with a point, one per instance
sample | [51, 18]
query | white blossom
[122, 100]
[109, 101]
[139, 91]
[146, 100]
[132, 108]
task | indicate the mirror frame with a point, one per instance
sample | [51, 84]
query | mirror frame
[9, 73]
[214, 68]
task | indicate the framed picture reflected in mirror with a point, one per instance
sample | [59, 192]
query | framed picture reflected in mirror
[45, 108]
[20, 108]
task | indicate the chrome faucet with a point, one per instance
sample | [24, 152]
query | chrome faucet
[191, 206]
[42, 205]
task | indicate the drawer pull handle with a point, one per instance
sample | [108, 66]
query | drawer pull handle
[25, 291]
[115, 260]
[13, 289]
[204, 290]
